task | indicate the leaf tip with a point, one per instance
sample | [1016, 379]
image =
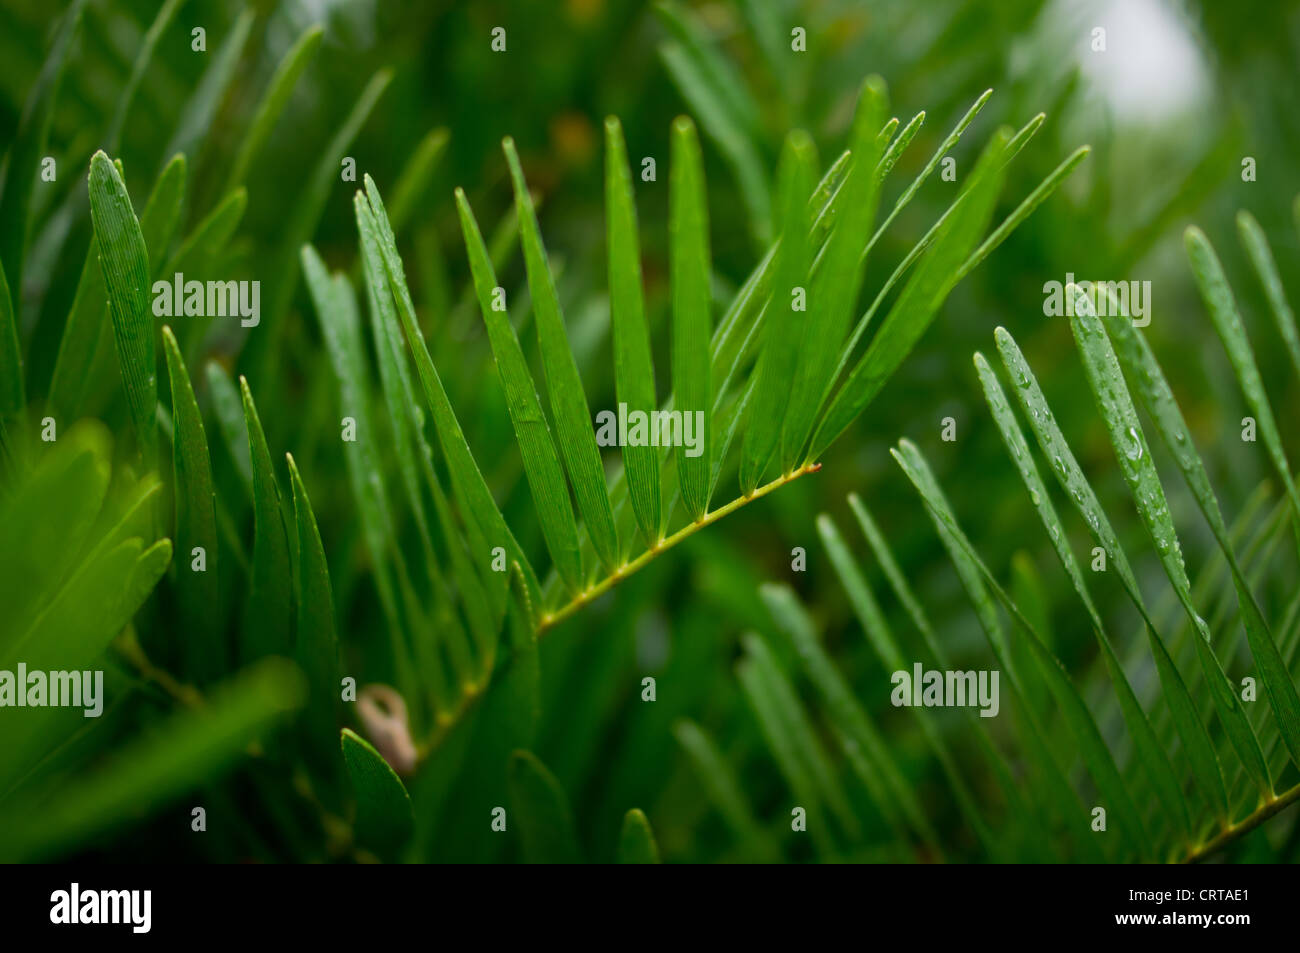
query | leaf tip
[1193, 237]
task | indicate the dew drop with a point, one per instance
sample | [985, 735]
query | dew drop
[1136, 452]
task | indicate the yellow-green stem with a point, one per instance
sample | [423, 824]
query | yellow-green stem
[551, 619]
[448, 720]
[1244, 826]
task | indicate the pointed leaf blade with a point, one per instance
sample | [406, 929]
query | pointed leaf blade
[780, 355]
[569, 408]
[1191, 729]
[542, 811]
[384, 820]
[541, 463]
[636, 842]
[634, 376]
[1116, 409]
[268, 613]
[920, 300]
[692, 322]
[125, 263]
[196, 523]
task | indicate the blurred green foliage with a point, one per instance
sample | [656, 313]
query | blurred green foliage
[384, 80]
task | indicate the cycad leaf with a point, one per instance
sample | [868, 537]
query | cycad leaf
[791, 713]
[692, 322]
[860, 596]
[210, 235]
[468, 581]
[897, 581]
[726, 109]
[1082, 725]
[994, 239]
[805, 769]
[541, 464]
[26, 151]
[1022, 211]
[950, 141]
[306, 213]
[780, 355]
[471, 490]
[336, 308]
[75, 359]
[199, 110]
[724, 81]
[316, 646]
[920, 301]
[1261, 256]
[542, 812]
[891, 657]
[198, 591]
[268, 614]
[1151, 755]
[162, 212]
[143, 57]
[228, 408]
[838, 276]
[75, 204]
[897, 145]
[862, 744]
[1116, 409]
[416, 175]
[1157, 398]
[1187, 721]
[569, 408]
[634, 375]
[414, 459]
[736, 332]
[45, 520]
[502, 245]
[384, 820]
[1218, 298]
[636, 842]
[1053, 787]
[99, 599]
[78, 623]
[186, 751]
[522, 683]
[125, 262]
[75, 364]
[199, 253]
[903, 592]
[273, 102]
[765, 21]
[724, 790]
